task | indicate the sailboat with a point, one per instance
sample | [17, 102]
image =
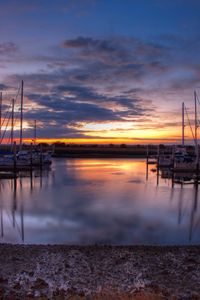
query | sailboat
[182, 160]
[22, 159]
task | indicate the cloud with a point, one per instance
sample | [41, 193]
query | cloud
[116, 60]
[81, 104]
[96, 45]
[133, 57]
[116, 79]
[80, 42]
[65, 108]
[3, 87]
[118, 45]
[8, 48]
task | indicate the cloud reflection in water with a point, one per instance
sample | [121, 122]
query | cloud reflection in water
[104, 201]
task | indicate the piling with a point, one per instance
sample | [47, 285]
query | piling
[197, 168]
[147, 171]
[173, 164]
[31, 156]
[158, 164]
[147, 154]
[41, 157]
[158, 156]
[15, 158]
[31, 162]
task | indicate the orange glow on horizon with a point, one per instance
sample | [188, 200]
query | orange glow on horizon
[166, 135]
[160, 135]
[100, 141]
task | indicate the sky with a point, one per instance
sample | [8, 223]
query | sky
[101, 70]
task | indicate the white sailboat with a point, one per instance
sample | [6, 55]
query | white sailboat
[182, 160]
[22, 159]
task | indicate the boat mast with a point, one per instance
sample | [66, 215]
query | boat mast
[196, 125]
[1, 98]
[21, 116]
[183, 124]
[35, 132]
[12, 122]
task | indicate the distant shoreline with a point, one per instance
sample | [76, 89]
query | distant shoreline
[99, 272]
[95, 151]
[123, 151]
[101, 151]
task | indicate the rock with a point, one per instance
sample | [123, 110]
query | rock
[40, 284]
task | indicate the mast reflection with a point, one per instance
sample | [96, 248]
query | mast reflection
[182, 180]
[193, 212]
[1, 211]
[17, 186]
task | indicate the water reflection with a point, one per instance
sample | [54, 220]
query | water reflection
[12, 202]
[182, 178]
[105, 201]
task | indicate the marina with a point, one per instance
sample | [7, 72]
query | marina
[16, 158]
[178, 160]
[100, 150]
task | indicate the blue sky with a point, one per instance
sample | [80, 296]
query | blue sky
[99, 68]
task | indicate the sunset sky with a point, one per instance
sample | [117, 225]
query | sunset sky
[101, 70]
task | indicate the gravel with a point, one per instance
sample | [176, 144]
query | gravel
[99, 272]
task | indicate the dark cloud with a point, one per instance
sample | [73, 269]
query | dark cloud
[8, 48]
[90, 61]
[87, 42]
[85, 94]
[65, 107]
[115, 44]
[3, 87]
[133, 58]
[184, 83]
[80, 42]
[83, 104]
[45, 129]
[106, 80]
[72, 111]
[120, 50]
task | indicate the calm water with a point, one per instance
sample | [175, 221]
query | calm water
[103, 201]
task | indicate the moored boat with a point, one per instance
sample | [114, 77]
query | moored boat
[19, 159]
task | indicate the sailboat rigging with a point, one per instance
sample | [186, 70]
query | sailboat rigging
[19, 158]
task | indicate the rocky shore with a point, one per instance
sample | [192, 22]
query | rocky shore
[99, 272]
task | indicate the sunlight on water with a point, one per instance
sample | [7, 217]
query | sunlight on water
[103, 201]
